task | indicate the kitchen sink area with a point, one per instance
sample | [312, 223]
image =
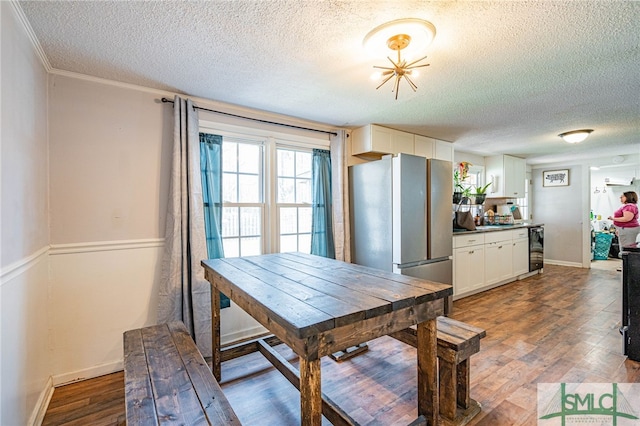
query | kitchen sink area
[489, 228]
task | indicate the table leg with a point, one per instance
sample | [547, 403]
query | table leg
[215, 333]
[310, 393]
[427, 371]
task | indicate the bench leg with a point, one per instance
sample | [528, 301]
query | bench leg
[448, 388]
[463, 384]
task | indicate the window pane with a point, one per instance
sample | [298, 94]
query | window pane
[249, 189]
[288, 243]
[249, 158]
[288, 220]
[229, 222]
[231, 247]
[229, 188]
[250, 221]
[304, 243]
[286, 190]
[286, 165]
[304, 219]
[229, 156]
[251, 246]
[303, 191]
[303, 165]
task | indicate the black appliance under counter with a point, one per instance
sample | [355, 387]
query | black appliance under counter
[630, 329]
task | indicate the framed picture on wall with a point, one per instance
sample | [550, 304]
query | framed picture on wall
[555, 177]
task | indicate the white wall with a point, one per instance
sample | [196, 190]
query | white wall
[91, 158]
[564, 210]
[110, 161]
[459, 156]
[25, 362]
[110, 150]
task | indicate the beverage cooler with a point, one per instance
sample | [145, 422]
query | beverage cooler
[536, 248]
[630, 329]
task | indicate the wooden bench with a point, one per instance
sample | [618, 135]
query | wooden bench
[457, 341]
[167, 380]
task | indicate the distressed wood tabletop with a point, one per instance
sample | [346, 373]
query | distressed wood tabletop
[318, 306]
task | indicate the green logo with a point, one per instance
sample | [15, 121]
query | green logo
[586, 404]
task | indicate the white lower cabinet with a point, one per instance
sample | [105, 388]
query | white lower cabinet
[485, 259]
[468, 268]
[468, 263]
[520, 257]
[498, 257]
[520, 244]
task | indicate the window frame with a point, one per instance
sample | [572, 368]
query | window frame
[270, 141]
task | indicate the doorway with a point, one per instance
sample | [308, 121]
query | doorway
[607, 184]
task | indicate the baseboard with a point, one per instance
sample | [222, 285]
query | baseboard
[484, 288]
[562, 263]
[241, 335]
[87, 373]
[113, 367]
[37, 416]
[529, 274]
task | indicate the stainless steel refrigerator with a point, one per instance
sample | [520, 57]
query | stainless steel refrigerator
[401, 216]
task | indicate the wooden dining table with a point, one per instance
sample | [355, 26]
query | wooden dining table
[319, 306]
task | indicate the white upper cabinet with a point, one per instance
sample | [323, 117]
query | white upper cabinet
[508, 175]
[433, 148]
[378, 140]
[402, 142]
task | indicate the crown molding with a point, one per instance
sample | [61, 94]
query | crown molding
[202, 102]
[32, 35]
[106, 81]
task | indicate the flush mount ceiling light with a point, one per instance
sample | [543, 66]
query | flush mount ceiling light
[411, 35]
[575, 136]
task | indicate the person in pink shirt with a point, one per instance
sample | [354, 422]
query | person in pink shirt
[625, 219]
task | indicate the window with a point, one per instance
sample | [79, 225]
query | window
[294, 199]
[242, 199]
[523, 203]
[266, 193]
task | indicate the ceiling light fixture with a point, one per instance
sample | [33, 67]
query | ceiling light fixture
[575, 136]
[411, 35]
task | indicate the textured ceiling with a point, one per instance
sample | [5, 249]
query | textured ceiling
[505, 77]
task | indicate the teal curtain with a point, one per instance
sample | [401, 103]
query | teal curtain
[211, 172]
[322, 224]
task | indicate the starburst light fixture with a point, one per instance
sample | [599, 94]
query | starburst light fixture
[411, 35]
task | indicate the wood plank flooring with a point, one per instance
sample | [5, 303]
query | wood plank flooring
[560, 326]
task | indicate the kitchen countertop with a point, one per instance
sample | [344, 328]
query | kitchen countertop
[491, 228]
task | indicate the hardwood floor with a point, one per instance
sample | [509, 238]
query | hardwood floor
[560, 326]
[98, 402]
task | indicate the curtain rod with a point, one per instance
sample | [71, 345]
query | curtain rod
[165, 100]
